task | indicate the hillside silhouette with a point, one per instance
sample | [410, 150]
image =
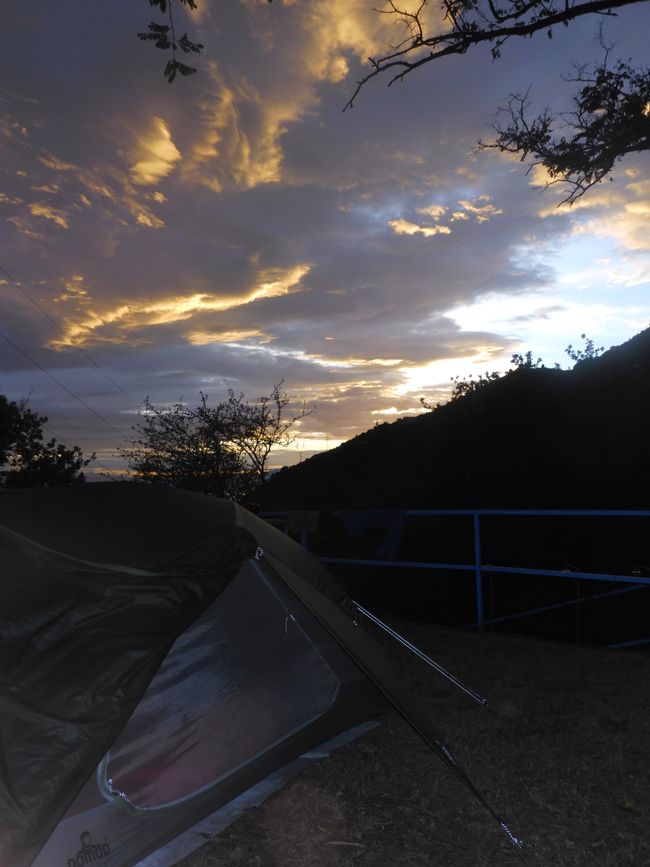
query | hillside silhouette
[537, 437]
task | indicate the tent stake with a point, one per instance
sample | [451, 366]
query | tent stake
[431, 662]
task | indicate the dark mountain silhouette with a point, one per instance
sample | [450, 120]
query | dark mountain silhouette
[537, 437]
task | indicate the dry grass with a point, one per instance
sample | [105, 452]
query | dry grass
[562, 752]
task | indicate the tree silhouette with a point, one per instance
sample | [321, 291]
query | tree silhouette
[28, 462]
[222, 450]
[164, 36]
[590, 350]
[612, 107]
[520, 361]
[611, 120]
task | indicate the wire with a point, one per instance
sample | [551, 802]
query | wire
[64, 387]
[56, 437]
[57, 325]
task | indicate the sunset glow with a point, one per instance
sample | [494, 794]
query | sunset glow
[237, 228]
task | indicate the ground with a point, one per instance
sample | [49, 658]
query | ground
[562, 752]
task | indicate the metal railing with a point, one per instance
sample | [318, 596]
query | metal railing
[479, 568]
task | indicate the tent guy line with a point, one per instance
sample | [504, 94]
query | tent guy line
[126, 650]
[421, 655]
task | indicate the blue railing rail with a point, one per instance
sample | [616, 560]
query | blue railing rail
[479, 568]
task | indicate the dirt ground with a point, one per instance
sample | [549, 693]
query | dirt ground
[562, 752]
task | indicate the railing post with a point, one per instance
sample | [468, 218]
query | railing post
[477, 570]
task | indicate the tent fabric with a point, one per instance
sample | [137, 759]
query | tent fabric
[332, 606]
[80, 642]
[243, 692]
[296, 558]
[154, 665]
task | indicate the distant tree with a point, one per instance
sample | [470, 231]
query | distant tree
[185, 447]
[519, 361]
[470, 385]
[526, 361]
[254, 429]
[463, 387]
[612, 108]
[26, 461]
[221, 450]
[590, 350]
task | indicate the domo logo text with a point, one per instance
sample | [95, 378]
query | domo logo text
[90, 853]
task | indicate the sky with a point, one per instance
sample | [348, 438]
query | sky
[237, 228]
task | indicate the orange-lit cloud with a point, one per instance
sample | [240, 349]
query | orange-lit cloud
[154, 155]
[434, 211]
[57, 165]
[229, 151]
[97, 187]
[237, 228]
[201, 338]
[480, 208]
[123, 321]
[621, 213]
[335, 30]
[242, 119]
[404, 227]
[74, 291]
[40, 209]
[25, 227]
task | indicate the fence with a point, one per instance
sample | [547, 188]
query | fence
[480, 569]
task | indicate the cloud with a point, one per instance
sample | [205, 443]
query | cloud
[237, 228]
[238, 141]
[434, 211]
[154, 155]
[126, 320]
[103, 187]
[294, 51]
[404, 227]
[73, 291]
[622, 213]
[234, 337]
[40, 209]
[480, 208]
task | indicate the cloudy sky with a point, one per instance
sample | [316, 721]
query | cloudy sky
[237, 228]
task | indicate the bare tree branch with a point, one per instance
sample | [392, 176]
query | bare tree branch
[473, 22]
[580, 148]
[611, 119]
[222, 450]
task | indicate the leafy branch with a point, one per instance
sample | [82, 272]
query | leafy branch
[579, 148]
[611, 119]
[473, 22]
[164, 36]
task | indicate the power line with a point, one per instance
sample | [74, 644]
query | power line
[57, 438]
[63, 386]
[58, 326]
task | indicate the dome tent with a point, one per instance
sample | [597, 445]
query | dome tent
[162, 652]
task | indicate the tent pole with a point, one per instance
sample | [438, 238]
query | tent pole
[431, 662]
